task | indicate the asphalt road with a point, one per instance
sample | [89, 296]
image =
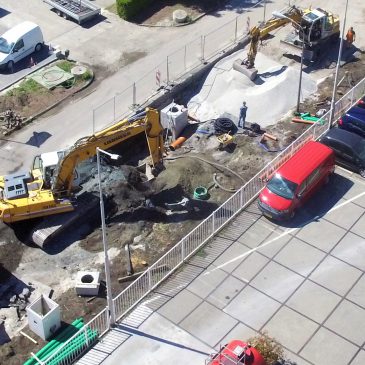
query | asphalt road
[102, 45]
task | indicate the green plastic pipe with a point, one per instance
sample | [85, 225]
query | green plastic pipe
[59, 338]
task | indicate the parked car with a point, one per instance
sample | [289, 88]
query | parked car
[297, 180]
[19, 42]
[349, 149]
[361, 103]
[354, 120]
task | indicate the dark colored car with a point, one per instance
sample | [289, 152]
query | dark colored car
[354, 119]
[361, 103]
[349, 149]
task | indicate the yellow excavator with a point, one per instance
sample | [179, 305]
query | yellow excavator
[314, 27]
[47, 189]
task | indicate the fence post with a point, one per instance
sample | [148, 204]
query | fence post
[167, 70]
[86, 337]
[183, 251]
[149, 279]
[236, 29]
[134, 101]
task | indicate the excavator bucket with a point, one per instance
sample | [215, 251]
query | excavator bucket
[240, 66]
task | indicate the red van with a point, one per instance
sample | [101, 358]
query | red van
[295, 181]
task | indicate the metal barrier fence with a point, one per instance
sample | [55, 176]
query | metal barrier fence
[200, 50]
[130, 297]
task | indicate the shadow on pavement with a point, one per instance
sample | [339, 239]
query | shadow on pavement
[320, 203]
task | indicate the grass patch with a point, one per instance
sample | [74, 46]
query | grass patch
[65, 65]
[26, 87]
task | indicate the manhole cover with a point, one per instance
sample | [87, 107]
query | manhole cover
[78, 70]
[53, 75]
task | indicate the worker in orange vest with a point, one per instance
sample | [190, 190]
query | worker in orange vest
[350, 36]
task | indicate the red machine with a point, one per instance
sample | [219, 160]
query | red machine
[236, 352]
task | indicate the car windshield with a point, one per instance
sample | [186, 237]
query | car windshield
[5, 47]
[282, 187]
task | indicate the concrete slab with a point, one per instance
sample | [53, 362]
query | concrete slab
[359, 227]
[299, 256]
[313, 301]
[252, 308]
[286, 323]
[232, 257]
[335, 275]
[359, 359]
[209, 324]
[250, 267]
[345, 214]
[356, 294]
[351, 249]
[254, 236]
[240, 224]
[225, 292]
[185, 301]
[206, 282]
[274, 243]
[329, 348]
[312, 231]
[344, 321]
[277, 281]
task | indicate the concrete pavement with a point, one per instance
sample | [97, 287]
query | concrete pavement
[303, 283]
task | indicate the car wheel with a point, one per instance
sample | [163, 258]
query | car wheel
[362, 172]
[10, 65]
[38, 47]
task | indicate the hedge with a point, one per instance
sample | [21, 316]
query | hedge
[127, 9]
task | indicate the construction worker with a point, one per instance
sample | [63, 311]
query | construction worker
[242, 118]
[350, 37]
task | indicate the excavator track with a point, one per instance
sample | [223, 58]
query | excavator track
[49, 228]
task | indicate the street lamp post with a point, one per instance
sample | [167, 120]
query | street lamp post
[105, 243]
[277, 14]
[334, 91]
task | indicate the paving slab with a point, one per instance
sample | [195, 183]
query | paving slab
[291, 329]
[275, 242]
[243, 221]
[250, 267]
[359, 227]
[325, 347]
[351, 249]
[254, 236]
[240, 331]
[357, 293]
[185, 301]
[335, 275]
[345, 215]
[252, 308]
[313, 301]
[300, 257]
[206, 282]
[232, 257]
[209, 324]
[359, 359]
[344, 321]
[225, 292]
[277, 281]
[312, 234]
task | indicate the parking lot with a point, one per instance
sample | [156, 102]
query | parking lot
[302, 282]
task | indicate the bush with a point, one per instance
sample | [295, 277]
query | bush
[127, 9]
[268, 347]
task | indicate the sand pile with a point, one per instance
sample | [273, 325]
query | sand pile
[269, 97]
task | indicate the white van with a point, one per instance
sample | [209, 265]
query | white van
[19, 42]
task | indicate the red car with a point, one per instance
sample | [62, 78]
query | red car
[237, 352]
[297, 180]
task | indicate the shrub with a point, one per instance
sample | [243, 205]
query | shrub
[268, 347]
[127, 9]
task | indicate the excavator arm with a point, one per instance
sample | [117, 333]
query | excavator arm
[85, 148]
[257, 33]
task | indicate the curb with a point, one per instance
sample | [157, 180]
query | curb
[33, 117]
